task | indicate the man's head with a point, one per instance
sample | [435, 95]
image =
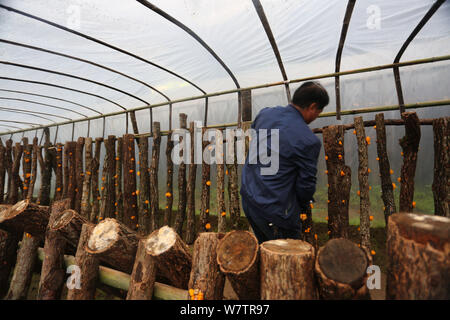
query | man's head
[310, 98]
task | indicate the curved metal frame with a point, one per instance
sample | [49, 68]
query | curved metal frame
[2, 109]
[35, 112]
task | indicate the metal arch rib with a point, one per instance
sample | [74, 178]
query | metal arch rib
[21, 122]
[85, 61]
[345, 24]
[74, 77]
[66, 88]
[425, 19]
[8, 126]
[35, 112]
[102, 43]
[262, 16]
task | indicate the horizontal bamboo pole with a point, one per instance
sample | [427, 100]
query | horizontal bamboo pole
[218, 93]
[121, 280]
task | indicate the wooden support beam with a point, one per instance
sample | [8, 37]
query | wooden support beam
[130, 210]
[154, 193]
[181, 213]
[441, 187]
[190, 190]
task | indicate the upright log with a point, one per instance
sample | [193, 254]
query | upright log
[15, 180]
[205, 276]
[419, 259]
[144, 188]
[339, 181]
[181, 214]
[68, 224]
[238, 258]
[233, 187]
[190, 190]
[79, 174]
[53, 271]
[2, 171]
[58, 172]
[387, 188]
[341, 270]
[8, 166]
[89, 267]
[70, 172]
[441, 187]
[154, 193]
[221, 209]
[206, 183]
[169, 180]
[46, 172]
[8, 247]
[114, 243]
[171, 255]
[287, 270]
[34, 162]
[118, 181]
[410, 147]
[26, 166]
[95, 185]
[363, 178]
[143, 277]
[86, 196]
[108, 192]
[129, 183]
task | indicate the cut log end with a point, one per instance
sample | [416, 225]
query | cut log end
[237, 251]
[161, 240]
[63, 220]
[287, 246]
[103, 236]
[14, 210]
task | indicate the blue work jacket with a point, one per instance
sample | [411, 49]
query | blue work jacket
[281, 197]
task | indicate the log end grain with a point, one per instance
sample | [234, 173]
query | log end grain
[103, 236]
[237, 251]
[14, 210]
[161, 240]
[63, 220]
[287, 246]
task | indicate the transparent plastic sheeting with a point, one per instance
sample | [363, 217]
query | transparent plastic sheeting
[306, 32]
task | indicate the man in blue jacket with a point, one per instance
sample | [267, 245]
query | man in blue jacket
[273, 203]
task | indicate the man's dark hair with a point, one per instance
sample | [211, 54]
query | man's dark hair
[311, 92]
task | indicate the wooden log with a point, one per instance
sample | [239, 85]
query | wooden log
[181, 213]
[26, 216]
[233, 187]
[8, 247]
[53, 271]
[8, 167]
[205, 276]
[171, 255]
[287, 270]
[89, 267]
[220, 181]
[95, 185]
[70, 171]
[68, 224]
[169, 180]
[23, 270]
[206, 183]
[190, 191]
[79, 174]
[410, 147]
[339, 181]
[441, 187]
[2, 171]
[238, 258]
[118, 181]
[144, 188]
[26, 166]
[387, 188]
[308, 233]
[108, 189]
[418, 257]
[363, 178]
[143, 277]
[114, 243]
[86, 196]
[46, 172]
[129, 183]
[341, 270]
[58, 172]
[154, 193]
[13, 195]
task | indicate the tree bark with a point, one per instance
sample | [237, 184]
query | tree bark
[118, 181]
[46, 172]
[238, 258]
[341, 270]
[89, 267]
[8, 167]
[79, 174]
[15, 181]
[441, 187]
[2, 171]
[205, 276]
[86, 197]
[154, 193]
[418, 257]
[143, 277]
[59, 172]
[68, 224]
[26, 166]
[95, 185]
[8, 247]
[190, 190]
[144, 188]
[339, 182]
[129, 183]
[221, 209]
[287, 270]
[171, 255]
[233, 188]
[114, 243]
[70, 172]
[108, 192]
[169, 180]
[410, 147]
[181, 214]
[206, 183]
[53, 271]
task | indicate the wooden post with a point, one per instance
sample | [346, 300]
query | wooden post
[238, 258]
[95, 185]
[190, 190]
[8, 247]
[339, 181]
[417, 249]
[69, 171]
[363, 178]
[130, 210]
[86, 197]
[169, 180]
[171, 255]
[79, 174]
[387, 188]
[221, 209]
[108, 192]
[233, 187]
[53, 271]
[287, 270]
[89, 267]
[58, 171]
[114, 243]
[26, 166]
[68, 224]
[143, 277]
[46, 172]
[15, 181]
[144, 188]
[205, 276]
[441, 187]
[2, 171]
[341, 270]
[118, 181]
[206, 183]
[154, 193]
[410, 147]
[181, 214]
